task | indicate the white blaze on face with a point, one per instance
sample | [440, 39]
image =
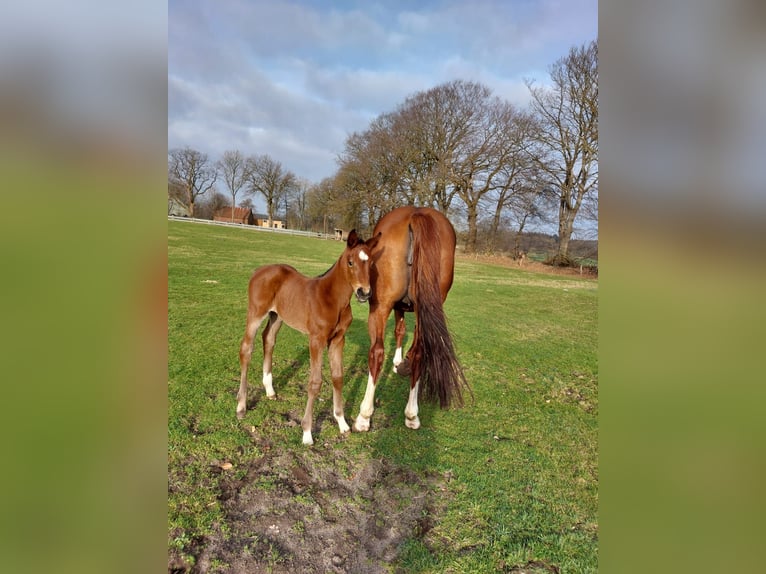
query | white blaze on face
[363, 256]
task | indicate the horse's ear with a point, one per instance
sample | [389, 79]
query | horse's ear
[353, 239]
[373, 241]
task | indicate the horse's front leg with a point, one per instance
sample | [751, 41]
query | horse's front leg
[316, 348]
[336, 370]
[377, 326]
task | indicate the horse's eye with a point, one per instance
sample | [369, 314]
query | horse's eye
[350, 263]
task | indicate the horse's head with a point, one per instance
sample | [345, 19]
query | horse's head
[356, 261]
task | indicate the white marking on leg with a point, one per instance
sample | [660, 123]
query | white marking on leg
[411, 419]
[268, 385]
[337, 407]
[367, 407]
[342, 424]
[307, 440]
[398, 358]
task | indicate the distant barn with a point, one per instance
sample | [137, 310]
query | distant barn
[243, 215]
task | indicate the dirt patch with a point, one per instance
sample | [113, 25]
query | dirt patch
[309, 511]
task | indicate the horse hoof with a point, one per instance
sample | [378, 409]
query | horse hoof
[361, 424]
[413, 423]
[307, 440]
[240, 414]
[403, 369]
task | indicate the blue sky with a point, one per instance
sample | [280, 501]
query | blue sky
[293, 79]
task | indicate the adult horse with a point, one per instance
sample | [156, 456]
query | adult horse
[319, 307]
[413, 265]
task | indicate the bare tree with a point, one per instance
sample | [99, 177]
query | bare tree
[192, 173]
[483, 154]
[295, 204]
[518, 189]
[322, 207]
[267, 177]
[232, 168]
[568, 115]
[210, 205]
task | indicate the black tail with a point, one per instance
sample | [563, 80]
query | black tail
[432, 355]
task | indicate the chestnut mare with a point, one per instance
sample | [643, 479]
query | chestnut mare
[319, 307]
[412, 271]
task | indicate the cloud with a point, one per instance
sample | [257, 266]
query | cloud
[293, 79]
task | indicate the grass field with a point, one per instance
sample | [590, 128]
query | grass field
[509, 483]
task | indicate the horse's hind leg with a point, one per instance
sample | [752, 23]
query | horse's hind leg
[411, 419]
[269, 340]
[413, 364]
[399, 331]
[245, 352]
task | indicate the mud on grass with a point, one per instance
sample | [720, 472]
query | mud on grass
[314, 510]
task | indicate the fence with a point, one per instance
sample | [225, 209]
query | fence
[253, 227]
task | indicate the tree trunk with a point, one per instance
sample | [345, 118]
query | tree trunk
[470, 245]
[495, 226]
[517, 239]
[566, 221]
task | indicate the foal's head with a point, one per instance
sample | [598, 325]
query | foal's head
[355, 263]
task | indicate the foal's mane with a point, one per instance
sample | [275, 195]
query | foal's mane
[326, 272]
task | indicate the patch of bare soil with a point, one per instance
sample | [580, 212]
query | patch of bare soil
[308, 511]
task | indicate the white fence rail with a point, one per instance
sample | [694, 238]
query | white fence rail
[253, 227]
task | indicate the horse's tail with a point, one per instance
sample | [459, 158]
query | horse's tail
[433, 359]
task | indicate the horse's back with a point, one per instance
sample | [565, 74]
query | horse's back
[270, 283]
[393, 253]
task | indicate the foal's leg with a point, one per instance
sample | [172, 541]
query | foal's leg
[377, 326]
[399, 331]
[336, 370]
[316, 348]
[254, 320]
[269, 340]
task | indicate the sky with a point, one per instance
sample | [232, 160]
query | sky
[293, 79]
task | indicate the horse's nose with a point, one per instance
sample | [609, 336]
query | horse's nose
[363, 295]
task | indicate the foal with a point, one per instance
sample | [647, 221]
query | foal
[319, 307]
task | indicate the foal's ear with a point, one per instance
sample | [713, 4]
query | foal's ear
[373, 241]
[353, 239]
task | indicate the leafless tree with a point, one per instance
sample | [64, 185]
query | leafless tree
[453, 140]
[232, 168]
[191, 172]
[518, 191]
[321, 207]
[568, 116]
[295, 204]
[488, 146]
[267, 177]
[208, 206]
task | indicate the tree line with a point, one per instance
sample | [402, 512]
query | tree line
[491, 166]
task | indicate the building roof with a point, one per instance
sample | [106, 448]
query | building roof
[239, 212]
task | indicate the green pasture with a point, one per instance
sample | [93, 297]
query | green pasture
[517, 467]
